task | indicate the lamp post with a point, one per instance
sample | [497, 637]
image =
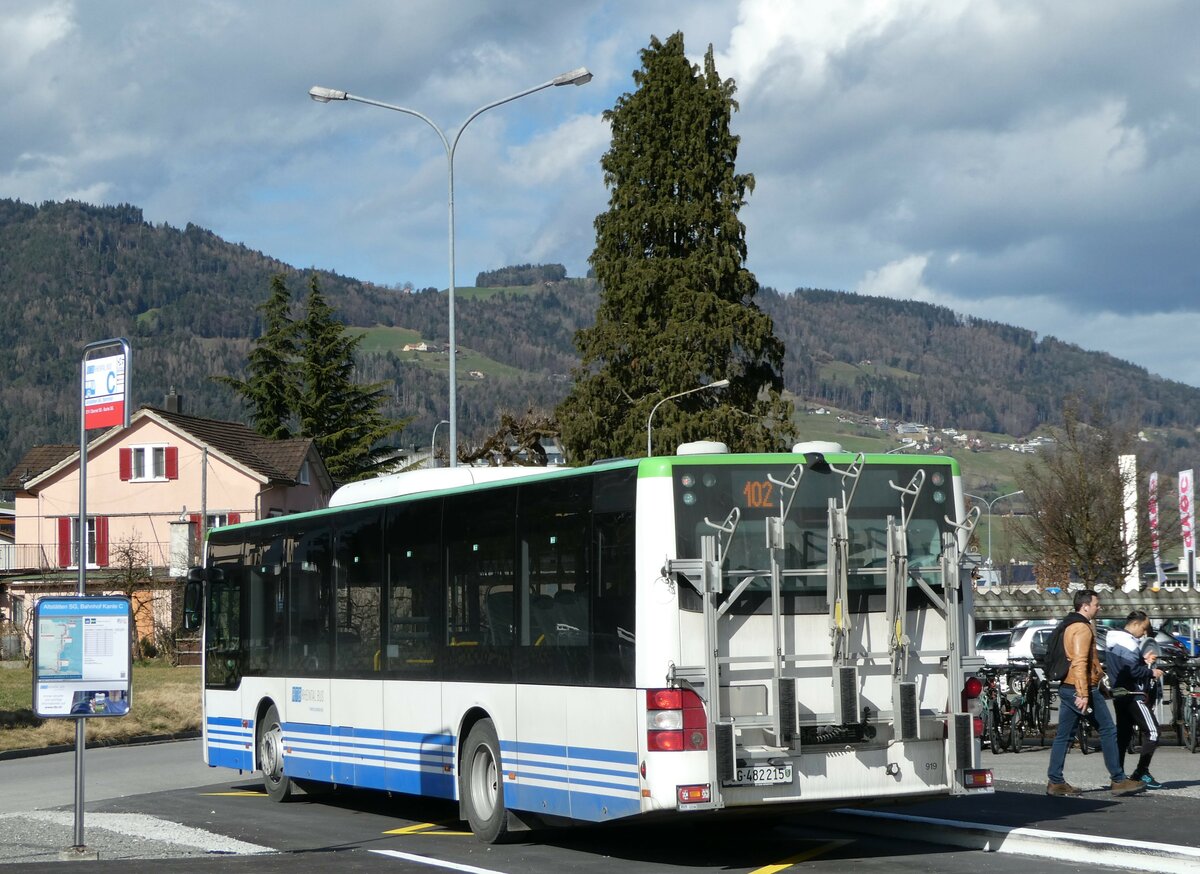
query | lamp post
[720, 383]
[433, 443]
[580, 76]
[990, 504]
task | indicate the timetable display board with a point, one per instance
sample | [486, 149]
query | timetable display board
[82, 659]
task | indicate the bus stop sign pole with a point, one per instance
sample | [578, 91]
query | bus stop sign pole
[103, 402]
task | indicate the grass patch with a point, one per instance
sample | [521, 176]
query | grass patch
[166, 700]
[382, 339]
[476, 293]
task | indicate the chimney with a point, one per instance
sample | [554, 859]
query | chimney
[172, 402]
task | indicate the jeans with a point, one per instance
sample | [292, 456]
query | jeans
[1068, 720]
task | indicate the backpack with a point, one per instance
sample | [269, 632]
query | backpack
[1057, 663]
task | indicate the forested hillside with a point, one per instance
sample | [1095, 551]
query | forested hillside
[72, 273]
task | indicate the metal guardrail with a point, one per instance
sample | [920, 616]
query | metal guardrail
[16, 558]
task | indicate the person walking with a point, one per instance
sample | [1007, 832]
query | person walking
[1071, 658]
[1133, 678]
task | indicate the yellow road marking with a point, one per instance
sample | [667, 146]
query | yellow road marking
[801, 857]
[426, 828]
[243, 794]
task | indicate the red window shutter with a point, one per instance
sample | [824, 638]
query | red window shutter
[126, 464]
[64, 541]
[172, 462]
[102, 541]
[194, 519]
[234, 518]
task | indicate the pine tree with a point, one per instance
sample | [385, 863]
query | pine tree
[272, 389]
[677, 307]
[341, 416]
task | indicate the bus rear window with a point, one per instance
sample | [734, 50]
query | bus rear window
[705, 497]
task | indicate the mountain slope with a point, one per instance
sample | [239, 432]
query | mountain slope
[71, 273]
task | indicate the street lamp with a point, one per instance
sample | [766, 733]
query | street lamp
[433, 443]
[580, 76]
[990, 504]
[720, 383]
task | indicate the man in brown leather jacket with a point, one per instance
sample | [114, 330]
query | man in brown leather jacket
[1079, 698]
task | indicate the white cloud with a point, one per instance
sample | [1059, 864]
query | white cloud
[1027, 161]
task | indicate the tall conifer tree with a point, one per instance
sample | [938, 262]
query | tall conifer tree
[272, 388]
[341, 416]
[677, 302]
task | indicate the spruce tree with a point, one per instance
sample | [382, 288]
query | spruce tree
[341, 416]
[677, 302]
[272, 388]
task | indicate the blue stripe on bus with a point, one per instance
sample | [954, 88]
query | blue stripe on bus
[240, 760]
[362, 757]
[235, 721]
[620, 757]
[240, 735]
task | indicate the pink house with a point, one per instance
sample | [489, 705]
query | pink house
[153, 489]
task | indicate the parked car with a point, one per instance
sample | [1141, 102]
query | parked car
[1181, 630]
[1024, 636]
[993, 646]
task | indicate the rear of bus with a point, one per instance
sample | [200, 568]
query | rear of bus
[811, 630]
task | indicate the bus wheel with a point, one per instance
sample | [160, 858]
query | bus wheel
[270, 756]
[481, 785]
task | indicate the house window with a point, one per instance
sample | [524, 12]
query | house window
[220, 520]
[303, 478]
[97, 541]
[150, 463]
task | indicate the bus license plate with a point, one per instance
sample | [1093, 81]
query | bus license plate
[762, 775]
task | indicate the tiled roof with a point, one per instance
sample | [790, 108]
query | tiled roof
[36, 460]
[278, 460]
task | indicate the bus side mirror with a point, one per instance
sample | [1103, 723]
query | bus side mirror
[193, 598]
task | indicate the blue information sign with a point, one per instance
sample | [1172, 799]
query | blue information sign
[82, 661]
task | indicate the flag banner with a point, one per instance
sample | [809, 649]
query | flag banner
[1152, 507]
[1187, 513]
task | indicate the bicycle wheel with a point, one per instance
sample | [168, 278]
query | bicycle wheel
[995, 734]
[1018, 730]
[1191, 729]
[1081, 733]
[1135, 741]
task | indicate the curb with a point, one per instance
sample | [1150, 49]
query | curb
[1129, 855]
[143, 740]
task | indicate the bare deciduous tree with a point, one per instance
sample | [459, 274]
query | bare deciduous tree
[1076, 499]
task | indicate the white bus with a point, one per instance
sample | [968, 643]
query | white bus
[684, 633]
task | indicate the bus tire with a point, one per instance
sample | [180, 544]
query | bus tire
[481, 784]
[270, 756]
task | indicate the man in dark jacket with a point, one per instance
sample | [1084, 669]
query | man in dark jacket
[1079, 698]
[1132, 674]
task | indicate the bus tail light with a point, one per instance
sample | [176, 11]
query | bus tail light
[978, 778]
[675, 721]
[700, 793]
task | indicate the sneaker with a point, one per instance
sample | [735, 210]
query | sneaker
[1064, 789]
[1127, 786]
[1150, 782]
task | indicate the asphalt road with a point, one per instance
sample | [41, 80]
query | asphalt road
[146, 804]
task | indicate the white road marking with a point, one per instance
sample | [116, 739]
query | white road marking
[439, 863]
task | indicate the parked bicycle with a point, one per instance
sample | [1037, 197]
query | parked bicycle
[992, 709]
[1187, 693]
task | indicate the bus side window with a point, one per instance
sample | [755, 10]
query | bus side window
[414, 589]
[357, 600]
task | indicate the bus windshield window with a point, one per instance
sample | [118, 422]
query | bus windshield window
[707, 494]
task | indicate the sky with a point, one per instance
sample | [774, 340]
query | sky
[1028, 162]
